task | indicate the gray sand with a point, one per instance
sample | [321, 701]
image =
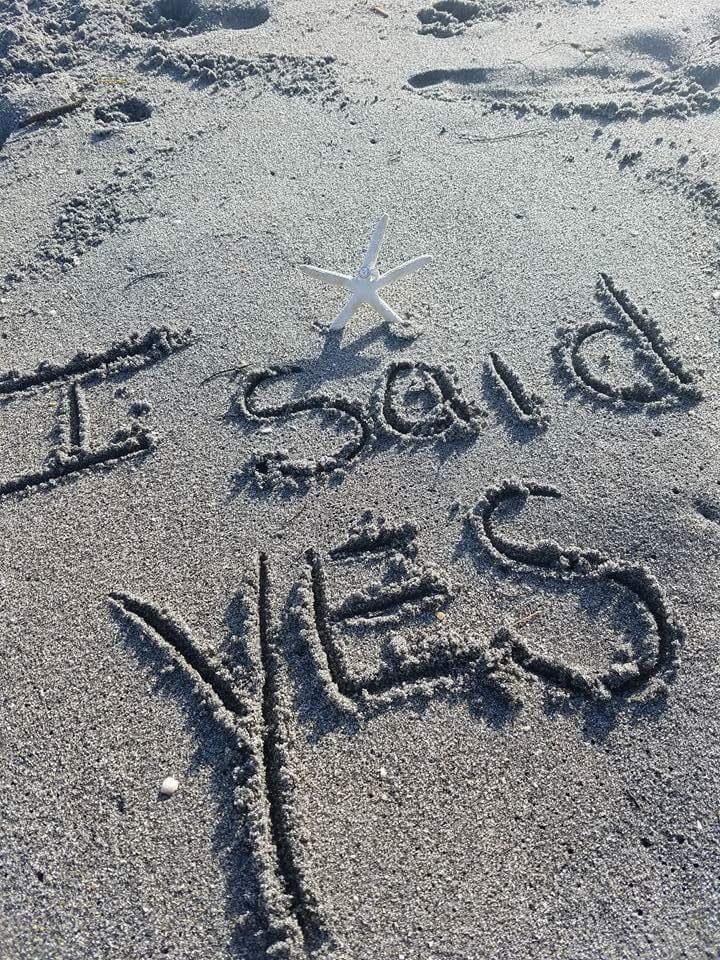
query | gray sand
[486, 726]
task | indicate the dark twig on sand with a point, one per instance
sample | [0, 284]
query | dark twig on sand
[44, 115]
[230, 372]
[144, 276]
[296, 515]
[506, 136]
[526, 620]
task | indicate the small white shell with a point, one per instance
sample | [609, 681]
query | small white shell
[169, 786]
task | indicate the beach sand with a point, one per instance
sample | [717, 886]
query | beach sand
[423, 616]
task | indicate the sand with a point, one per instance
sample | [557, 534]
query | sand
[422, 617]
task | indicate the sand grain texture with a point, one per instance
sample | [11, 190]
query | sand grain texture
[422, 618]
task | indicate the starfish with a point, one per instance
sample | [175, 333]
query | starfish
[366, 283]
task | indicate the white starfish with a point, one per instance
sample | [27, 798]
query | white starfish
[366, 283]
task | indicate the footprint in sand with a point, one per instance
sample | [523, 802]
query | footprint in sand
[187, 17]
[8, 119]
[450, 18]
[593, 91]
[123, 109]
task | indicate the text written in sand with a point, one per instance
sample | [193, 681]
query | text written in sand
[74, 450]
[418, 400]
[253, 702]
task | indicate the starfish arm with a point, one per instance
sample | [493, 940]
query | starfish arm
[328, 276]
[347, 311]
[385, 310]
[375, 242]
[404, 270]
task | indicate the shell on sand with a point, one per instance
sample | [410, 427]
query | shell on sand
[169, 786]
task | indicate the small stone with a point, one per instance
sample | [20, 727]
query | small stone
[169, 786]
[439, 615]
[383, 773]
